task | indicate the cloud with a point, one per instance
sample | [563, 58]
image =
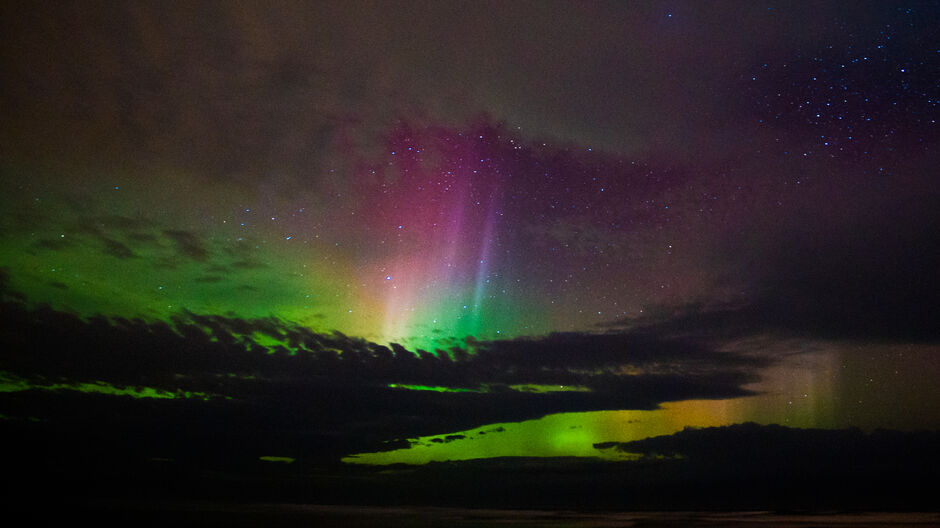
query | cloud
[866, 277]
[876, 279]
[282, 90]
[248, 264]
[142, 237]
[187, 244]
[447, 439]
[53, 244]
[117, 249]
[783, 449]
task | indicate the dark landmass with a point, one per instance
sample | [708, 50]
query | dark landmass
[744, 467]
[228, 515]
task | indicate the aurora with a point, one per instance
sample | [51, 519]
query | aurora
[338, 251]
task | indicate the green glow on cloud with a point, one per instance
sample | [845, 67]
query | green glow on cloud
[427, 388]
[278, 459]
[10, 383]
[531, 388]
[541, 389]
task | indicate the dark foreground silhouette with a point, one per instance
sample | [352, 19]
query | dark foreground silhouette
[743, 467]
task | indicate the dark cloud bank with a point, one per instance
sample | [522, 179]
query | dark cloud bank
[873, 280]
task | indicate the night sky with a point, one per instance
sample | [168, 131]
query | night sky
[408, 232]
